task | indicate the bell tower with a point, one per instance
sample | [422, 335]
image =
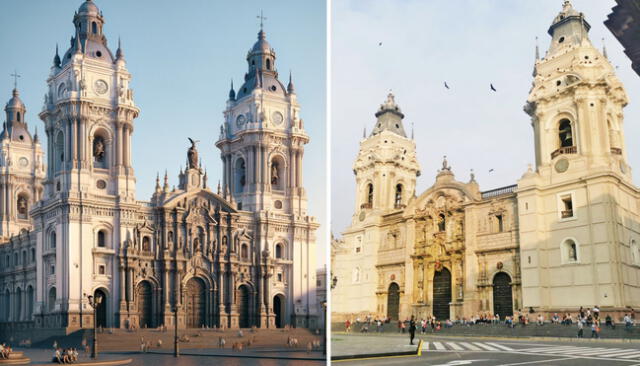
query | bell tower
[576, 207]
[262, 138]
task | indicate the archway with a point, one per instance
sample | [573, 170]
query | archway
[7, 305]
[502, 295]
[30, 302]
[393, 302]
[441, 294]
[144, 295]
[18, 311]
[279, 309]
[195, 303]
[243, 306]
[101, 310]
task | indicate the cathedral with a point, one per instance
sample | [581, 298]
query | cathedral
[237, 256]
[565, 235]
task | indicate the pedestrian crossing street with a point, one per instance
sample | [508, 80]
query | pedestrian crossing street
[556, 350]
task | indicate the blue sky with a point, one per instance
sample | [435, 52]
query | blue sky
[470, 44]
[182, 55]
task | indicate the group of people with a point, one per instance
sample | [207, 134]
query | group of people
[5, 351]
[67, 355]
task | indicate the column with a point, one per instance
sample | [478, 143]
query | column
[119, 143]
[74, 142]
[299, 168]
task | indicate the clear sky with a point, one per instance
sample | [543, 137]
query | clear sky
[469, 44]
[182, 55]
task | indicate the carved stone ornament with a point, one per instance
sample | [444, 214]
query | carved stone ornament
[438, 266]
[499, 265]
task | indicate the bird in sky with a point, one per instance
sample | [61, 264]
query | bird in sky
[490, 170]
[380, 44]
[446, 86]
[492, 87]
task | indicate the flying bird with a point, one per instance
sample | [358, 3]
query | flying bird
[492, 88]
[490, 170]
[380, 44]
[446, 86]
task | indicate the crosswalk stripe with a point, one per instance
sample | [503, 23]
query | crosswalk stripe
[485, 346]
[636, 355]
[581, 350]
[470, 346]
[620, 352]
[548, 349]
[599, 352]
[439, 346]
[502, 347]
[455, 346]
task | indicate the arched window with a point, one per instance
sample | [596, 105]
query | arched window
[52, 240]
[30, 302]
[565, 133]
[7, 305]
[442, 223]
[99, 152]
[18, 116]
[240, 175]
[244, 252]
[370, 194]
[102, 240]
[570, 251]
[33, 255]
[277, 173]
[94, 28]
[59, 148]
[398, 198]
[52, 298]
[22, 206]
[279, 251]
[268, 64]
[18, 312]
[24, 258]
[635, 252]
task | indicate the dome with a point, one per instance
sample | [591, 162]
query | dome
[15, 101]
[262, 45]
[88, 8]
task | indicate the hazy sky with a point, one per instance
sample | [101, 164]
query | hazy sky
[469, 44]
[182, 55]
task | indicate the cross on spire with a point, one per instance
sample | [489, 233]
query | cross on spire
[262, 19]
[15, 79]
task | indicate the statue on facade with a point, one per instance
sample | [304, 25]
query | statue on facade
[98, 149]
[274, 173]
[22, 205]
[192, 154]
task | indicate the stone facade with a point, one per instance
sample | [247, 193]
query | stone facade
[223, 258]
[566, 235]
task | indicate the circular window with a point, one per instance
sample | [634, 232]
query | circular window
[100, 86]
[558, 82]
[278, 204]
[24, 162]
[561, 40]
[277, 117]
[240, 121]
[99, 54]
[586, 57]
[21, 137]
[273, 88]
[101, 184]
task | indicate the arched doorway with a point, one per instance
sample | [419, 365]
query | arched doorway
[393, 302]
[441, 294]
[195, 303]
[243, 306]
[278, 309]
[502, 295]
[145, 305]
[101, 310]
[18, 311]
[30, 302]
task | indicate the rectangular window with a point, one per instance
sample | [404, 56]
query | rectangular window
[53, 269]
[279, 277]
[567, 206]
[101, 269]
[358, 249]
[500, 225]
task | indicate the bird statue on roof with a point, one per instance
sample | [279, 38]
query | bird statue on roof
[192, 154]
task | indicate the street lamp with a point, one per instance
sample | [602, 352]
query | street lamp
[324, 308]
[94, 302]
[176, 347]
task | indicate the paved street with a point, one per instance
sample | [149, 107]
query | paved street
[483, 351]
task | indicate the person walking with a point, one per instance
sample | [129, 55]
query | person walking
[412, 329]
[580, 328]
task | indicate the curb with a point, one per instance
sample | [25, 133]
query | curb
[417, 352]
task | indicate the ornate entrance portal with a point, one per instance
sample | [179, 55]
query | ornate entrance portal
[502, 295]
[441, 294]
[101, 310]
[278, 309]
[393, 301]
[195, 303]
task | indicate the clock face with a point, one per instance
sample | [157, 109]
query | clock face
[240, 121]
[100, 86]
[277, 118]
[562, 165]
[24, 162]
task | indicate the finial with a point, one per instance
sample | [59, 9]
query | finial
[158, 182]
[604, 49]
[219, 189]
[232, 93]
[364, 132]
[473, 176]
[290, 87]
[537, 49]
[15, 81]
[56, 58]
[412, 135]
[77, 41]
[262, 19]
[119, 52]
[445, 163]
[35, 135]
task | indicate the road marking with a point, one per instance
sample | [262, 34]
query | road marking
[539, 361]
[600, 352]
[470, 346]
[502, 347]
[439, 346]
[582, 350]
[548, 349]
[487, 347]
[455, 346]
[637, 354]
[618, 353]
